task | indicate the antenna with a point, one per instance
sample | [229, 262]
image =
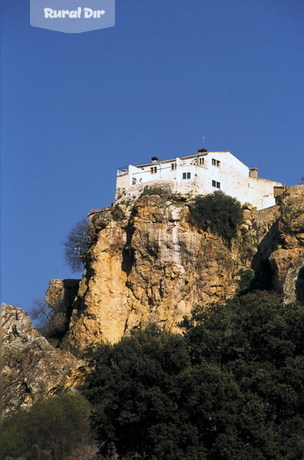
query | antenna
[203, 139]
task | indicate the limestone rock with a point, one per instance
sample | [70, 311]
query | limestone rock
[287, 260]
[32, 368]
[60, 296]
[152, 266]
[149, 264]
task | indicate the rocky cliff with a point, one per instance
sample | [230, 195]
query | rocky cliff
[32, 368]
[149, 264]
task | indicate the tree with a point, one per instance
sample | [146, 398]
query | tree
[50, 429]
[51, 321]
[218, 213]
[76, 245]
[41, 314]
[134, 387]
[230, 387]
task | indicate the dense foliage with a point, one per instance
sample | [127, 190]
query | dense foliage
[76, 245]
[50, 430]
[230, 388]
[217, 213]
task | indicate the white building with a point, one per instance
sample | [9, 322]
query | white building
[200, 174]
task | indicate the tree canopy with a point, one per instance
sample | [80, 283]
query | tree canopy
[218, 213]
[229, 388]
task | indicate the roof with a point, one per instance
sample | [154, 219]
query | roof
[196, 155]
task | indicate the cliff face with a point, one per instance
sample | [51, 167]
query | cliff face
[287, 259]
[149, 264]
[32, 368]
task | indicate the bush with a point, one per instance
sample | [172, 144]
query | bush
[118, 214]
[155, 191]
[245, 281]
[217, 213]
[50, 429]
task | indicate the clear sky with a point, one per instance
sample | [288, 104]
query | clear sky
[75, 107]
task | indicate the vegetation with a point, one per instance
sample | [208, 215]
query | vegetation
[118, 214]
[231, 387]
[51, 322]
[41, 314]
[161, 191]
[246, 281]
[217, 213]
[76, 245]
[50, 430]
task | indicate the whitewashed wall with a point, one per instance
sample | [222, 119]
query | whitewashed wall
[232, 175]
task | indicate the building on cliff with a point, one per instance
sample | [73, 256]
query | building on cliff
[200, 174]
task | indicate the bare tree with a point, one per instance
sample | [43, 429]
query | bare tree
[50, 320]
[41, 315]
[76, 245]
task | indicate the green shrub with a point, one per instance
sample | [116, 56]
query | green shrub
[217, 213]
[118, 214]
[155, 191]
[101, 219]
[50, 429]
[245, 280]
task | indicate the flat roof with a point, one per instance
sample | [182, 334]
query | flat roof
[198, 154]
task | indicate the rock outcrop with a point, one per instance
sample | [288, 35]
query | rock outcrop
[60, 297]
[287, 260]
[149, 264]
[32, 368]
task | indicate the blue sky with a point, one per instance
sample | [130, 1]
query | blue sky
[75, 107]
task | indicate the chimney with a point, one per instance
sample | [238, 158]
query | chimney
[254, 172]
[154, 159]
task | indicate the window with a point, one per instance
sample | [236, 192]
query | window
[216, 162]
[153, 169]
[173, 166]
[216, 184]
[187, 175]
[201, 161]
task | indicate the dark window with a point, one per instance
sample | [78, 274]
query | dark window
[153, 169]
[187, 175]
[216, 184]
[201, 161]
[173, 166]
[216, 162]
